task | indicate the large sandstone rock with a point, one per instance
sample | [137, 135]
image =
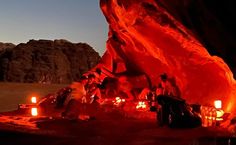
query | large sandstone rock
[46, 61]
[145, 37]
[211, 22]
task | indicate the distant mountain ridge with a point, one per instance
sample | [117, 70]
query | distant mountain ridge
[45, 61]
[6, 46]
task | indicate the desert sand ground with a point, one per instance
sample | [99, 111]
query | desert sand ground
[108, 128]
[110, 131]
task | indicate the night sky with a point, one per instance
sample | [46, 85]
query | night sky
[74, 20]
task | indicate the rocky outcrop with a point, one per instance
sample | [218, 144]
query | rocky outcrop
[46, 61]
[4, 46]
[212, 23]
[145, 37]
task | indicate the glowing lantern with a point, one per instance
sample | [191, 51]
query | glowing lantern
[34, 111]
[218, 104]
[34, 100]
[219, 111]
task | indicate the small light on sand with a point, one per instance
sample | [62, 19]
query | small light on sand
[218, 104]
[34, 99]
[34, 111]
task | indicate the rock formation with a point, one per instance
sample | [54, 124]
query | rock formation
[145, 38]
[4, 46]
[46, 61]
[212, 23]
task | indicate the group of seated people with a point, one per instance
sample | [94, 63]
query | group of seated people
[166, 87]
[89, 91]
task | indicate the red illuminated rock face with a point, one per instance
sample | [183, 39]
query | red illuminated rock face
[145, 39]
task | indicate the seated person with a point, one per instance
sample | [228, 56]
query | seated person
[175, 91]
[75, 101]
[168, 87]
[93, 92]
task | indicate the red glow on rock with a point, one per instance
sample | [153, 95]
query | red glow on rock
[145, 39]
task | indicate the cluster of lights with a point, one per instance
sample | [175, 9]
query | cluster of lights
[141, 105]
[34, 110]
[208, 116]
[219, 111]
[118, 101]
[212, 115]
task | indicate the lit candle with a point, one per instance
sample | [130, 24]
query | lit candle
[34, 111]
[34, 99]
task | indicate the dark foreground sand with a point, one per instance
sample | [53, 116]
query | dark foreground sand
[108, 129]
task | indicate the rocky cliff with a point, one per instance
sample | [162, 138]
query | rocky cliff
[4, 46]
[154, 36]
[46, 61]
